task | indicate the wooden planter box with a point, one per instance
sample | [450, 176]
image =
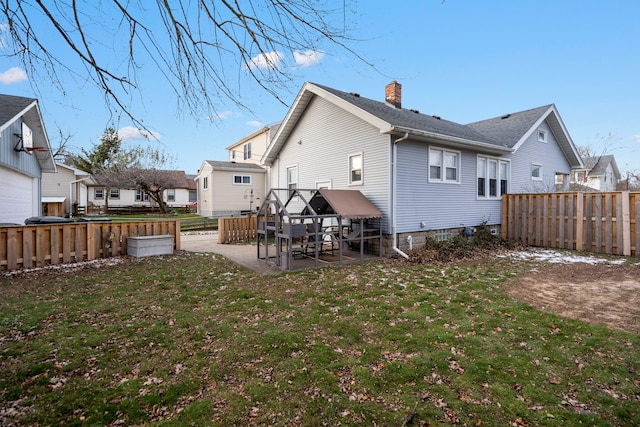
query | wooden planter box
[150, 245]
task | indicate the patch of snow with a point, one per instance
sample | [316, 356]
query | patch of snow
[552, 256]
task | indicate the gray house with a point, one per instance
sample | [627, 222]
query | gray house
[427, 175]
[25, 153]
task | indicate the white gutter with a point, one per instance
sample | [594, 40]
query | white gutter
[454, 140]
[393, 196]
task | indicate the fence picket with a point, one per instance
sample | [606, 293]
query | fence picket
[39, 245]
[597, 222]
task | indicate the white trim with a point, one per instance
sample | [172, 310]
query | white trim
[542, 135]
[443, 172]
[297, 181]
[533, 167]
[324, 184]
[350, 170]
[241, 179]
[487, 189]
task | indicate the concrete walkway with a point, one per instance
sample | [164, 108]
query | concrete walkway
[245, 255]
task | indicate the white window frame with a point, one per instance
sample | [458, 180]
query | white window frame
[98, 193]
[443, 168]
[535, 166]
[171, 194]
[323, 184]
[247, 151]
[542, 135]
[244, 179]
[291, 184]
[114, 194]
[205, 182]
[486, 174]
[141, 196]
[352, 169]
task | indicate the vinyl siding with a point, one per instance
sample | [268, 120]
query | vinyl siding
[57, 184]
[320, 146]
[17, 160]
[548, 154]
[232, 198]
[438, 205]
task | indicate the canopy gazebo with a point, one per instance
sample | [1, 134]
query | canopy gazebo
[325, 227]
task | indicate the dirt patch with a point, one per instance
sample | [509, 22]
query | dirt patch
[600, 293]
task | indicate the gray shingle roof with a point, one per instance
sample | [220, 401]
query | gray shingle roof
[405, 118]
[509, 128]
[11, 105]
[600, 164]
[221, 165]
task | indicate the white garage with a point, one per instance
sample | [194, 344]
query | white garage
[18, 196]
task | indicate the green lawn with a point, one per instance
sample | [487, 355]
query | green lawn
[193, 339]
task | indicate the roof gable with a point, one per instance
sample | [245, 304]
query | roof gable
[14, 107]
[600, 164]
[515, 128]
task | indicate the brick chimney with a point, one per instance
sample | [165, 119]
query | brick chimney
[393, 94]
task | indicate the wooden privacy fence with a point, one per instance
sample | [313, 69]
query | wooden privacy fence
[39, 245]
[236, 229]
[606, 223]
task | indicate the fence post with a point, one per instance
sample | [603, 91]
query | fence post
[626, 224]
[579, 221]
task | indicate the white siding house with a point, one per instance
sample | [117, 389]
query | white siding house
[25, 153]
[179, 195]
[600, 173]
[229, 188]
[69, 185]
[251, 148]
[424, 173]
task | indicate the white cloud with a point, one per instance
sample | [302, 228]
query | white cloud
[637, 138]
[13, 75]
[254, 123]
[129, 133]
[266, 60]
[308, 58]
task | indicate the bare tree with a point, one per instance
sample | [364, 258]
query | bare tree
[144, 169]
[600, 146]
[202, 48]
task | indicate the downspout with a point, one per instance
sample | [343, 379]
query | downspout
[393, 196]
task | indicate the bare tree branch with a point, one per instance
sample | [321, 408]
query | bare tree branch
[195, 45]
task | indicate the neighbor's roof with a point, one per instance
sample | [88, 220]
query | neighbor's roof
[349, 204]
[600, 165]
[234, 166]
[272, 128]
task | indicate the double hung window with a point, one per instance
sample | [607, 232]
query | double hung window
[444, 166]
[355, 169]
[493, 177]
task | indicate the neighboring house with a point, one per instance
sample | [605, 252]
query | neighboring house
[229, 188]
[63, 190]
[193, 189]
[600, 173]
[25, 153]
[176, 196]
[250, 149]
[427, 175]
